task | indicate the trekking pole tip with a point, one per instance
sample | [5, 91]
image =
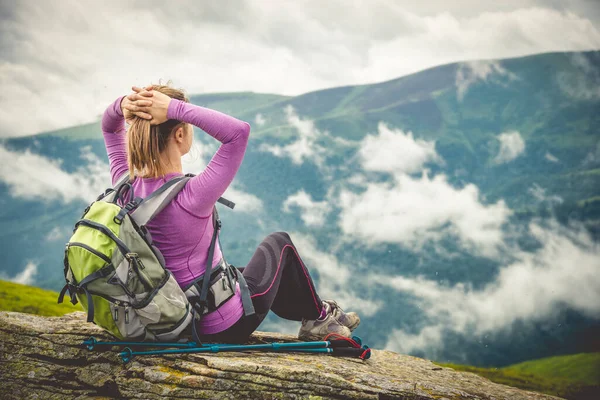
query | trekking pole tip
[90, 343]
[126, 355]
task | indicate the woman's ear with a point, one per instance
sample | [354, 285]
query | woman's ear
[179, 135]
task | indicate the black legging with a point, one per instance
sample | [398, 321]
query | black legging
[278, 281]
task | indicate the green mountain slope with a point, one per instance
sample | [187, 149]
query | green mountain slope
[574, 376]
[32, 300]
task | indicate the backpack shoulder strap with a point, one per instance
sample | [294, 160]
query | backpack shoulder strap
[158, 200]
[124, 178]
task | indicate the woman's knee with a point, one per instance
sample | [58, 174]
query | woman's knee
[284, 235]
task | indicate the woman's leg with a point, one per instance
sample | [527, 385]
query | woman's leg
[278, 281]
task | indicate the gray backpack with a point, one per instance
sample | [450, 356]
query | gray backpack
[113, 269]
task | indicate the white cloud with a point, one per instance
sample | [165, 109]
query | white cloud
[429, 339]
[57, 233]
[411, 211]
[244, 202]
[512, 146]
[32, 176]
[563, 273]
[469, 73]
[313, 213]
[593, 157]
[260, 120]
[583, 83]
[26, 276]
[539, 193]
[195, 160]
[395, 151]
[548, 156]
[305, 147]
[293, 48]
[335, 278]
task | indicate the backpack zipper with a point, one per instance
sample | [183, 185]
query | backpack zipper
[91, 250]
[99, 227]
[136, 263]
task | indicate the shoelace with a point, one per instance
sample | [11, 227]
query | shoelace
[334, 308]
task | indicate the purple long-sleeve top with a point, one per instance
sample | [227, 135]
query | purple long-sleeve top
[182, 231]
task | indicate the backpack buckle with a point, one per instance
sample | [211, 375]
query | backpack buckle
[127, 208]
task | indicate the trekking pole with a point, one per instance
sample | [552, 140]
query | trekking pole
[334, 347]
[92, 342]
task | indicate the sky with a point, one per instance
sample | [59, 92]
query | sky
[62, 62]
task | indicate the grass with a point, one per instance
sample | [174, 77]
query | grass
[32, 300]
[574, 376]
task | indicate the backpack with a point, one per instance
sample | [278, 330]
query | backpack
[113, 269]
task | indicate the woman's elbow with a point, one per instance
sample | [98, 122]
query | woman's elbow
[244, 130]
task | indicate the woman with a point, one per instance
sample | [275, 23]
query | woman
[160, 133]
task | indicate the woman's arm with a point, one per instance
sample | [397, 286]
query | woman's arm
[113, 130]
[202, 191]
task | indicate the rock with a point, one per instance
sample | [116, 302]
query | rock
[41, 358]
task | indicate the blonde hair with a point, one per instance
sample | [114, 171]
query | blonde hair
[145, 142]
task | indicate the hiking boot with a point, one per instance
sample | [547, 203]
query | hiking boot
[350, 320]
[315, 330]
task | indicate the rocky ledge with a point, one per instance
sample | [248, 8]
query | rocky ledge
[41, 357]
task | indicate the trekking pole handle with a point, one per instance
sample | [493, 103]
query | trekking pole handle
[352, 352]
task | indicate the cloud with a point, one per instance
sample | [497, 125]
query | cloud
[58, 233]
[335, 278]
[593, 157]
[195, 160]
[539, 193]
[260, 120]
[583, 82]
[512, 146]
[305, 146]
[297, 47]
[548, 156]
[32, 176]
[562, 273]
[412, 211]
[244, 202]
[396, 152]
[26, 276]
[469, 73]
[313, 213]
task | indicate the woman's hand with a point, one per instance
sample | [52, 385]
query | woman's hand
[138, 104]
[134, 104]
